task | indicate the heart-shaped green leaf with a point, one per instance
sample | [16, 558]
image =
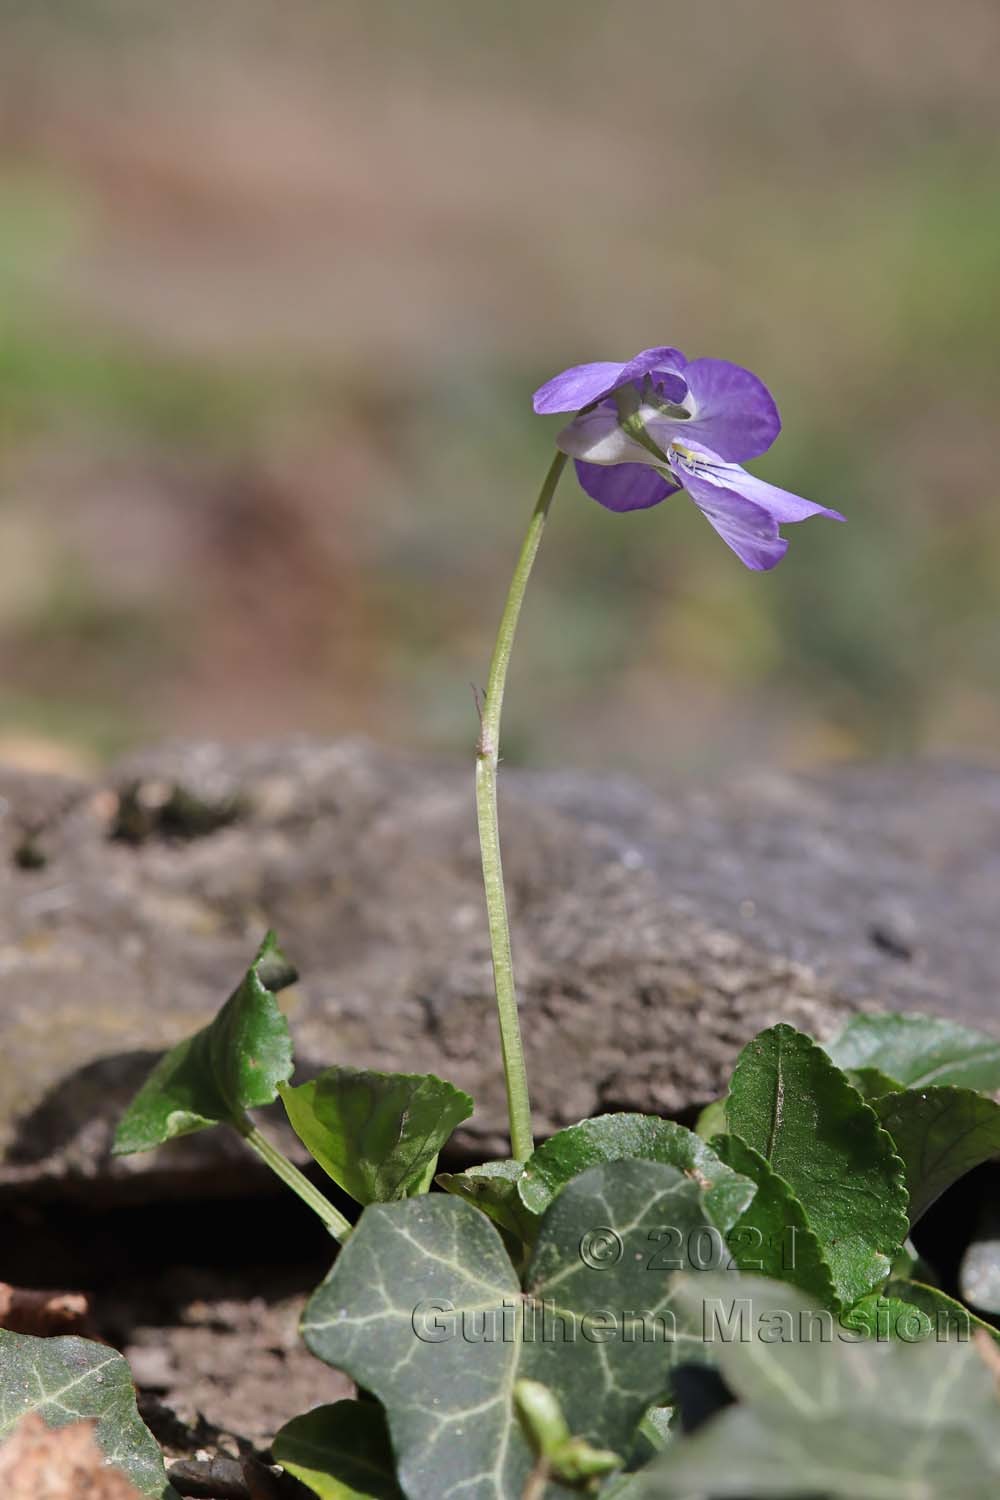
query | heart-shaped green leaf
[773, 1236]
[833, 1418]
[911, 1311]
[424, 1308]
[492, 1187]
[919, 1051]
[626, 1137]
[870, 1083]
[789, 1102]
[941, 1134]
[376, 1134]
[234, 1064]
[341, 1452]
[70, 1380]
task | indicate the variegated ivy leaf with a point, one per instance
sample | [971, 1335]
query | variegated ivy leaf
[425, 1309]
[824, 1415]
[622, 1137]
[65, 1380]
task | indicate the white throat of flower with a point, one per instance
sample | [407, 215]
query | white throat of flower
[636, 409]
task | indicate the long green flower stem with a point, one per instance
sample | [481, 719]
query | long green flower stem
[290, 1175]
[487, 761]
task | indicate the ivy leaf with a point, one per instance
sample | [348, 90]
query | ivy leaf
[919, 1051]
[839, 1419]
[423, 1307]
[912, 1311]
[773, 1236]
[492, 1187]
[941, 1134]
[376, 1134]
[233, 1064]
[631, 1137]
[341, 1452]
[789, 1103]
[70, 1380]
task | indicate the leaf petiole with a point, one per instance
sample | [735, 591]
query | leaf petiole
[335, 1222]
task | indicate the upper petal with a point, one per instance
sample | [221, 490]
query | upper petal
[624, 487]
[667, 362]
[581, 384]
[732, 411]
[576, 387]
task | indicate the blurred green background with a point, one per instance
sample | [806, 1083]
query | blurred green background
[276, 284]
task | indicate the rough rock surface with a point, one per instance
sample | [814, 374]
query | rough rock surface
[653, 934]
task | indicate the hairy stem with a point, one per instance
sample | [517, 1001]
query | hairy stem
[487, 761]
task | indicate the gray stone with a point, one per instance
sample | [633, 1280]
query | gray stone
[653, 934]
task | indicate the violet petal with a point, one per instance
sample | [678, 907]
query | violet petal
[783, 505]
[625, 486]
[581, 385]
[732, 411]
[665, 364]
[576, 387]
[695, 460]
[748, 528]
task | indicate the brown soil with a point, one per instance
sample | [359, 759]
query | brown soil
[203, 1297]
[221, 1352]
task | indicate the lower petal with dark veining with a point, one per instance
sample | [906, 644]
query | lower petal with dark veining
[750, 530]
[745, 511]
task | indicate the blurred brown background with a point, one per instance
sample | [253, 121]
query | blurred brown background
[277, 281]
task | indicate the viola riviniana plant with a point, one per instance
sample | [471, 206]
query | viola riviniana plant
[641, 431]
[810, 1174]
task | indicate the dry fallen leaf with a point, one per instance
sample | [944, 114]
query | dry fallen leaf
[43, 1314]
[65, 1463]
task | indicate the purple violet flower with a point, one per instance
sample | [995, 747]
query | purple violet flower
[662, 423]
